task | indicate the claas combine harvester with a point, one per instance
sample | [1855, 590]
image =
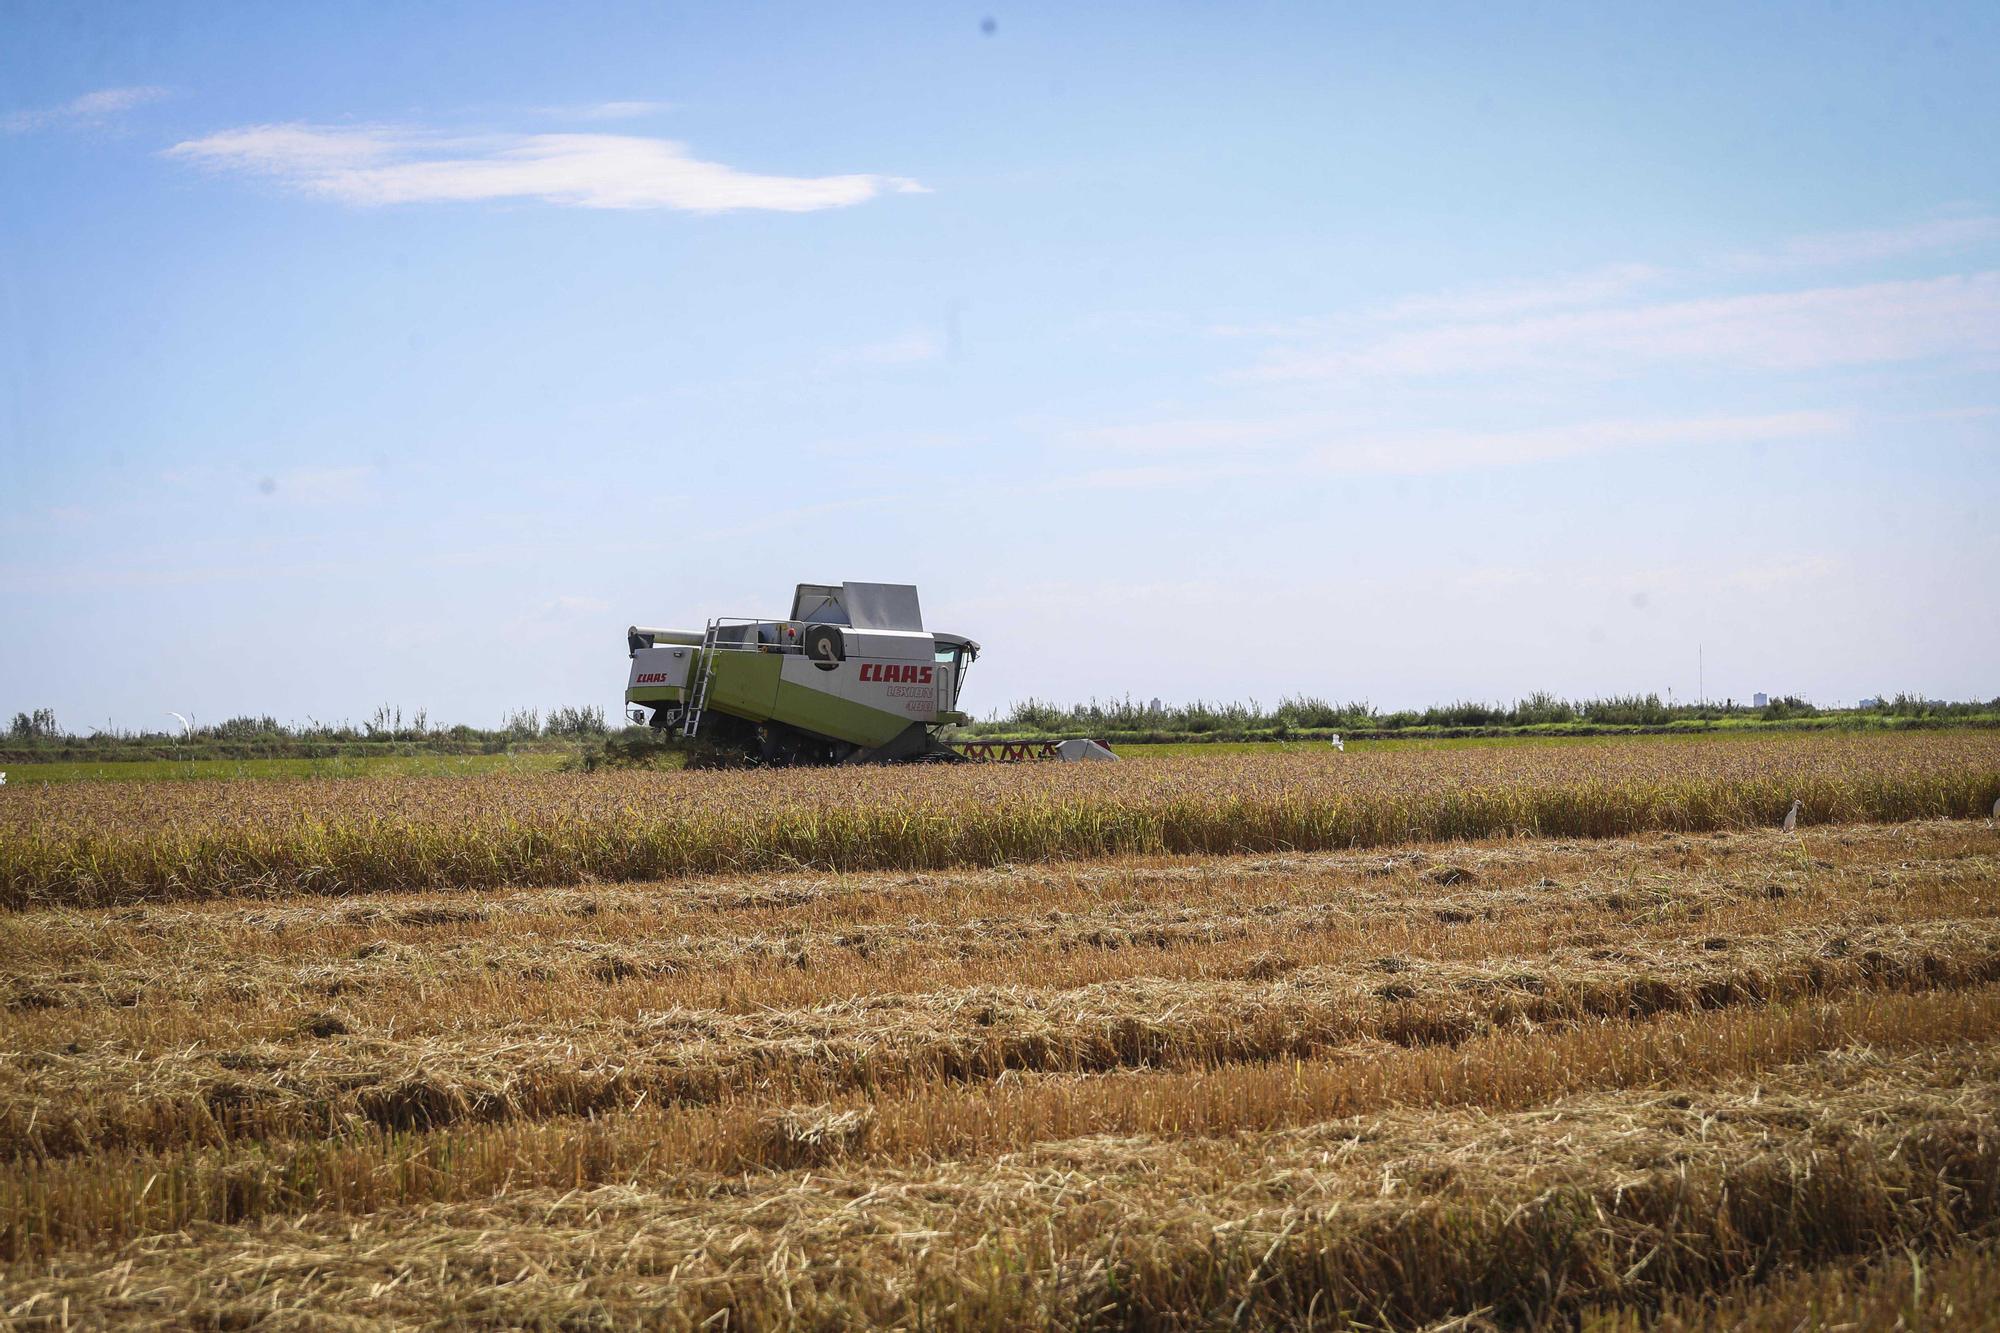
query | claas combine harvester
[850, 677]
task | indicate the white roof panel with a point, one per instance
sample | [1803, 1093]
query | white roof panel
[882, 605]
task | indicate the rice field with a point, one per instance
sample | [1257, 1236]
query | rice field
[46, 772]
[1542, 1037]
[101, 844]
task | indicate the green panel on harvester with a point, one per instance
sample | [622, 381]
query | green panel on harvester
[831, 715]
[746, 684]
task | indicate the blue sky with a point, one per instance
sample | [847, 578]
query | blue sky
[407, 353]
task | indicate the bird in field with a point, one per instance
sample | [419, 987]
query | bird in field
[1335, 743]
[1996, 809]
[1792, 815]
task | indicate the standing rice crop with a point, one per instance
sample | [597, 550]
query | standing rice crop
[103, 844]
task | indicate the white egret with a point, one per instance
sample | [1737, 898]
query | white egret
[1335, 743]
[1792, 815]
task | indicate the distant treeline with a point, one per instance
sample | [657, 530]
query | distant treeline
[1310, 716]
[37, 735]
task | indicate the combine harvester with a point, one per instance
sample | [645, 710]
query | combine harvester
[851, 677]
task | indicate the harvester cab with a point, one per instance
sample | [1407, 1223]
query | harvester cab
[851, 676]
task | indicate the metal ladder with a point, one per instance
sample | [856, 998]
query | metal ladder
[692, 718]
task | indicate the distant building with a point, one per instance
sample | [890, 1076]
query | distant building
[1760, 700]
[1871, 703]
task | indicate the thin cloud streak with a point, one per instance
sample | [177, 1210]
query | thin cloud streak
[89, 109]
[1613, 283]
[1157, 476]
[1803, 330]
[304, 485]
[321, 486]
[1264, 434]
[1456, 451]
[379, 166]
[632, 109]
[909, 350]
[1596, 287]
[1307, 445]
[1836, 249]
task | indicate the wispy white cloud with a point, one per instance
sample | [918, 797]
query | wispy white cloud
[1096, 598]
[147, 571]
[1614, 282]
[303, 485]
[797, 517]
[1304, 326]
[1333, 439]
[1595, 287]
[1773, 576]
[1618, 285]
[1160, 476]
[110, 101]
[90, 109]
[319, 486]
[1643, 587]
[569, 606]
[1452, 451]
[1498, 300]
[390, 165]
[1207, 434]
[1843, 248]
[558, 616]
[1223, 450]
[632, 109]
[1800, 330]
[909, 350]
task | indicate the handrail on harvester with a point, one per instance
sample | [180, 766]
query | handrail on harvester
[792, 643]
